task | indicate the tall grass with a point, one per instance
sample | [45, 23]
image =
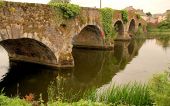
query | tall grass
[79, 103]
[159, 87]
[56, 91]
[130, 94]
[6, 101]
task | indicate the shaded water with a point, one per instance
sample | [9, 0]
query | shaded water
[137, 60]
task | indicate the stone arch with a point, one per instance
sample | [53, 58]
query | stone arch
[89, 36]
[131, 29]
[139, 25]
[119, 28]
[29, 50]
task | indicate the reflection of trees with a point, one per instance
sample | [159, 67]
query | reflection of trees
[164, 41]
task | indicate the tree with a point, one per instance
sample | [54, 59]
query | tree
[168, 17]
[59, 1]
[148, 14]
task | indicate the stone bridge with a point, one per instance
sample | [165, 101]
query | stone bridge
[37, 33]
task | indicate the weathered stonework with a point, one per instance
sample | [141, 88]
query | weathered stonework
[44, 24]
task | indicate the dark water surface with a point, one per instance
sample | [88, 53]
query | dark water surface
[131, 61]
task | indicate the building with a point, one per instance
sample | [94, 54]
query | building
[159, 17]
[155, 18]
[137, 11]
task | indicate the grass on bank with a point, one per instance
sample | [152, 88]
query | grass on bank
[6, 101]
[130, 94]
[156, 93]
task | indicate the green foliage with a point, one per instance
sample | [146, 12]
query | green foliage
[1, 3]
[5, 101]
[124, 15]
[138, 16]
[168, 16]
[130, 94]
[79, 103]
[149, 14]
[139, 33]
[68, 10]
[56, 92]
[164, 25]
[160, 89]
[59, 1]
[106, 15]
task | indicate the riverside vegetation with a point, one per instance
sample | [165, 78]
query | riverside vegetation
[156, 92]
[163, 28]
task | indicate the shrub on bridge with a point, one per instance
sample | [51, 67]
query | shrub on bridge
[138, 16]
[106, 18]
[68, 10]
[1, 3]
[124, 15]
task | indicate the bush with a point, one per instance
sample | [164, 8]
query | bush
[68, 10]
[124, 15]
[1, 3]
[138, 16]
[59, 1]
[164, 25]
[106, 15]
[5, 101]
[160, 89]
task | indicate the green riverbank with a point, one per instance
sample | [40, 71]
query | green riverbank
[156, 92]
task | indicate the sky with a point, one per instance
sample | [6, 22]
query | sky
[153, 6]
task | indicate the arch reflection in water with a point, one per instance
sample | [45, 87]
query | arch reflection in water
[93, 68]
[4, 62]
[24, 78]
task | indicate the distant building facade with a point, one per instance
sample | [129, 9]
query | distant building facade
[137, 11]
[155, 18]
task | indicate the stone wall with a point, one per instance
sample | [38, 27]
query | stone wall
[47, 26]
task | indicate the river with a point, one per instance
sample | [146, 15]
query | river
[133, 61]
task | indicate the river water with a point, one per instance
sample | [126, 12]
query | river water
[136, 60]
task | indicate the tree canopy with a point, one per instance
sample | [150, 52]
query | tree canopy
[59, 1]
[148, 14]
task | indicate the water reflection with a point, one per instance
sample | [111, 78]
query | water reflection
[165, 43]
[150, 60]
[25, 78]
[93, 68]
